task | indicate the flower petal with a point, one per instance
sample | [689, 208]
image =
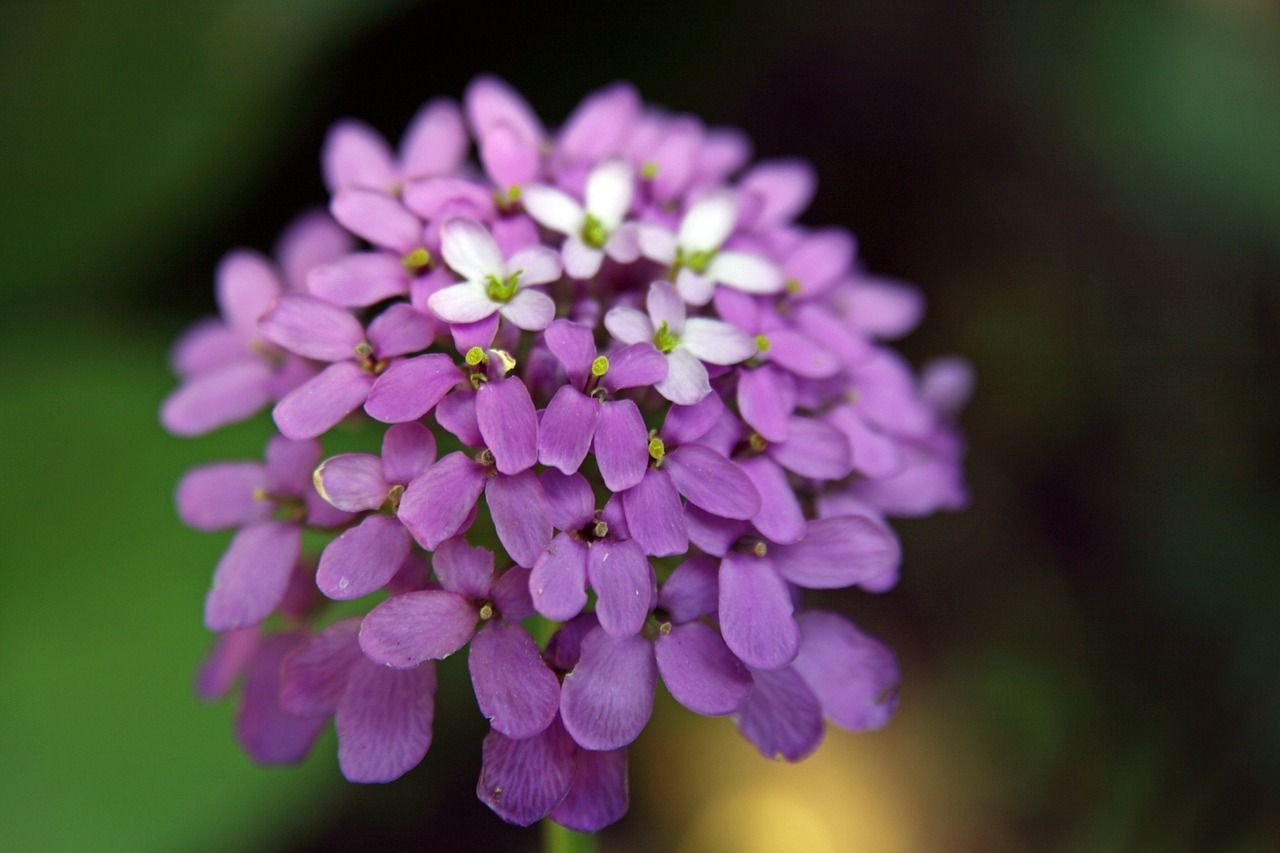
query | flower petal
[314, 676]
[521, 515]
[359, 279]
[635, 366]
[523, 780]
[606, 700]
[716, 342]
[573, 346]
[363, 559]
[356, 155]
[407, 450]
[621, 445]
[599, 125]
[686, 381]
[692, 590]
[781, 715]
[313, 407]
[223, 495]
[665, 306]
[854, 676]
[252, 575]
[813, 449]
[783, 189]
[509, 424]
[801, 354]
[462, 569]
[470, 251]
[711, 482]
[536, 264]
[755, 612]
[231, 655]
[570, 498]
[711, 533]
[838, 552]
[654, 516]
[580, 260]
[407, 629]
[352, 482]
[628, 326]
[620, 575]
[438, 502]
[746, 272]
[609, 189]
[597, 796]
[566, 430]
[462, 303]
[558, 584]
[687, 424]
[700, 671]
[531, 310]
[764, 401]
[553, 208]
[708, 222]
[408, 389]
[457, 413]
[384, 721]
[399, 330]
[312, 328]
[268, 733]
[217, 398]
[435, 143]
[781, 518]
[378, 218]
[246, 286]
[516, 691]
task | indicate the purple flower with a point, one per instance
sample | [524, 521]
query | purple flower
[664, 489]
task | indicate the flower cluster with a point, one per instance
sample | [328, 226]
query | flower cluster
[619, 412]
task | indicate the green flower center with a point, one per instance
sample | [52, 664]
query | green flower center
[502, 289]
[664, 340]
[417, 260]
[599, 366]
[594, 234]
[696, 261]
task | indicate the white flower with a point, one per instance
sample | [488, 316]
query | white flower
[595, 230]
[491, 284]
[695, 250]
[686, 343]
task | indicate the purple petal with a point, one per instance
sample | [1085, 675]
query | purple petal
[854, 677]
[359, 280]
[686, 424]
[508, 157]
[621, 445]
[839, 552]
[411, 388]
[438, 502]
[313, 239]
[566, 430]
[268, 733]
[885, 309]
[232, 653]
[407, 450]
[246, 287]
[764, 402]
[363, 559]
[620, 575]
[819, 260]
[598, 794]
[872, 452]
[606, 700]
[462, 569]
[947, 383]
[438, 198]
[224, 495]
[378, 218]
[314, 676]
[712, 482]
[511, 594]
[477, 334]
[521, 515]
[356, 155]
[399, 330]
[612, 515]
[384, 721]
[654, 515]
[781, 715]
[290, 465]
[312, 328]
[692, 590]
[523, 780]
[558, 583]
[457, 413]
[509, 424]
[573, 345]
[516, 691]
[599, 125]
[313, 407]
[565, 646]
[252, 575]
[436, 141]
[813, 449]
[406, 630]
[801, 354]
[570, 498]
[665, 306]
[781, 518]
[700, 671]
[755, 612]
[352, 482]
[211, 400]
[711, 533]
[783, 188]
[635, 366]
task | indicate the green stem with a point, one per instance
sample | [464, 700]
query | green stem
[557, 839]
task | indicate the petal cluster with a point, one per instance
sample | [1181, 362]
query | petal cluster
[617, 413]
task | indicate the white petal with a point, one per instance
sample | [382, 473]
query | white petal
[748, 273]
[665, 306]
[656, 243]
[717, 342]
[709, 222]
[609, 189]
[694, 288]
[553, 208]
[462, 303]
[686, 382]
[531, 310]
[624, 244]
[469, 249]
[580, 260]
[628, 326]
[538, 265]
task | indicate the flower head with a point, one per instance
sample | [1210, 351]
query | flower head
[609, 416]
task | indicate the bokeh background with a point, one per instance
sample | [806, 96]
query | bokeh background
[1088, 192]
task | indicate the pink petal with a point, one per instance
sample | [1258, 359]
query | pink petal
[608, 698]
[756, 612]
[515, 690]
[558, 583]
[352, 482]
[838, 552]
[246, 285]
[356, 155]
[399, 330]
[854, 677]
[380, 219]
[523, 780]
[573, 345]
[215, 399]
[268, 733]
[765, 401]
[571, 499]
[363, 559]
[566, 430]
[462, 569]
[620, 575]
[252, 575]
[629, 326]
[599, 125]
[621, 445]
[314, 676]
[783, 188]
[407, 629]
[531, 310]
[223, 495]
[311, 240]
[686, 381]
[692, 590]
[312, 328]
[813, 449]
[712, 482]
[407, 450]
[597, 796]
[438, 502]
[654, 516]
[408, 389]
[435, 143]
[509, 424]
[781, 716]
[359, 279]
[700, 671]
[781, 518]
[384, 721]
[312, 408]
[521, 515]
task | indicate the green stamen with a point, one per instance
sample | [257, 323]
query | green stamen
[594, 234]
[475, 356]
[600, 366]
[664, 340]
[697, 261]
[762, 343]
[417, 260]
[793, 286]
[649, 171]
[502, 289]
[657, 448]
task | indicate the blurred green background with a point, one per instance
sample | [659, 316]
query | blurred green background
[1088, 193]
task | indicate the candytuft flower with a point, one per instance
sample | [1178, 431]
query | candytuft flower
[596, 410]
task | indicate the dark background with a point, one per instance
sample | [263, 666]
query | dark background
[1089, 195]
